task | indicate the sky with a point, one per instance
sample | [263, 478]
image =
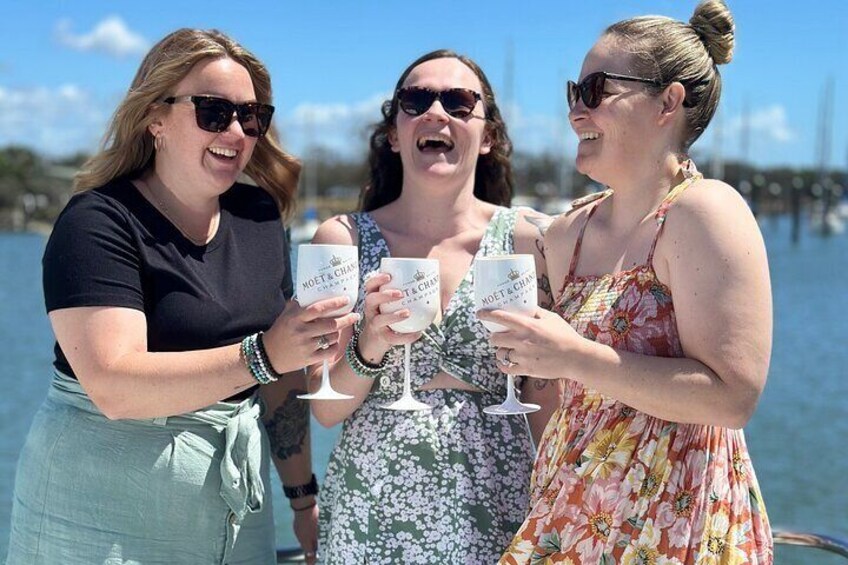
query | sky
[66, 65]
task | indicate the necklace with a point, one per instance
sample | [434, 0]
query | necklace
[160, 205]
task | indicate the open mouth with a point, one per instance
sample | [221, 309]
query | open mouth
[589, 136]
[223, 153]
[435, 143]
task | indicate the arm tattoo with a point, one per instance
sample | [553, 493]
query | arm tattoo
[540, 247]
[542, 223]
[545, 288]
[288, 426]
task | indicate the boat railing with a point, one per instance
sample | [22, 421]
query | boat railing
[808, 539]
[784, 537]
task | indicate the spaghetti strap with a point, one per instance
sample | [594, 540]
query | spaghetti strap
[691, 175]
[596, 198]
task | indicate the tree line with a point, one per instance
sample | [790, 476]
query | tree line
[34, 188]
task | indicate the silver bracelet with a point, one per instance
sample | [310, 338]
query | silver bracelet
[256, 362]
[358, 365]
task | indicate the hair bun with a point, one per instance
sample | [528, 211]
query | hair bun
[713, 23]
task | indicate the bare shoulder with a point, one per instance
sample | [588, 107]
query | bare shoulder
[562, 225]
[710, 206]
[709, 226]
[338, 230]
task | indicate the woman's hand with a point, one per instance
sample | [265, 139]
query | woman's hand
[543, 346]
[304, 336]
[377, 337]
[306, 532]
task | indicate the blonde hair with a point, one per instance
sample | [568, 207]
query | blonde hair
[128, 146]
[668, 51]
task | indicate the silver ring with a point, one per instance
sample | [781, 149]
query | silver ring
[323, 342]
[505, 361]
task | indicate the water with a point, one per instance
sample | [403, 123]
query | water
[795, 438]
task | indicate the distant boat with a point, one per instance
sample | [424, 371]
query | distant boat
[832, 222]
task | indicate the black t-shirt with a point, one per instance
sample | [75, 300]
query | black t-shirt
[111, 247]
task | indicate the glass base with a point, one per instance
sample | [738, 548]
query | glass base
[514, 407]
[327, 394]
[407, 403]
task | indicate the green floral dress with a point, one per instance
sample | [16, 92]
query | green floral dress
[449, 486]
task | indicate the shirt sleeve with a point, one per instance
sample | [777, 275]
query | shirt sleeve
[92, 258]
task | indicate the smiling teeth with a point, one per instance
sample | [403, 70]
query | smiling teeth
[437, 137]
[589, 135]
[223, 152]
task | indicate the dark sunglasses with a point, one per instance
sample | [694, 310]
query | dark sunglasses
[591, 88]
[457, 102]
[216, 114]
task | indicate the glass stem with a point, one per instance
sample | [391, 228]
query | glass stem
[407, 376]
[325, 375]
[510, 388]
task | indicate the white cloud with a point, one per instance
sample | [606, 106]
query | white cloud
[110, 36]
[340, 127]
[329, 114]
[769, 122]
[55, 122]
[344, 128]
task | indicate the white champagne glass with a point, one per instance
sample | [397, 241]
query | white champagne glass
[327, 271]
[418, 279]
[506, 282]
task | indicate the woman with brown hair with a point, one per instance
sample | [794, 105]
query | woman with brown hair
[448, 485]
[661, 329]
[167, 284]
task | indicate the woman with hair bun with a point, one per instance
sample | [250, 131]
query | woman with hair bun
[661, 327]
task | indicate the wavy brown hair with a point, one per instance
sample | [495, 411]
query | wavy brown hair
[668, 51]
[127, 148]
[493, 175]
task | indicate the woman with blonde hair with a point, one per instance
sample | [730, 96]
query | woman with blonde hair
[661, 329]
[167, 283]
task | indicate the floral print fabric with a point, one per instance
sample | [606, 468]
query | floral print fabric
[615, 485]
[449, 486]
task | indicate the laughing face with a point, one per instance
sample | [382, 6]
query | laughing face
[622, 131]
[435, 146]
[191, 156]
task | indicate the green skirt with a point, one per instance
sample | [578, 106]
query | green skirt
[184, 489]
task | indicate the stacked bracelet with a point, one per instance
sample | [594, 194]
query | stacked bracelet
[302, 490]
[360, 366]
[256, 358]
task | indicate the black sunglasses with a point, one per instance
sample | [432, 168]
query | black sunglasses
[457, 102]
[591, 88]
[216, 114]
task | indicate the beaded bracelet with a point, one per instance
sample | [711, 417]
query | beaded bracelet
[256, 362]
[263, 354]
[358, 365]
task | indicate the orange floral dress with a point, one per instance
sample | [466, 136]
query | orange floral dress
[612, 484]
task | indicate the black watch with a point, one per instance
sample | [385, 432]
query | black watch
[302, 490]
